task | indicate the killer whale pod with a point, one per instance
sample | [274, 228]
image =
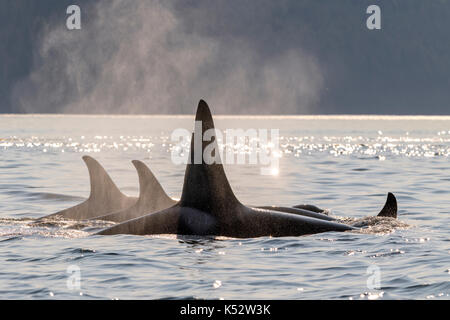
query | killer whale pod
[208, 206]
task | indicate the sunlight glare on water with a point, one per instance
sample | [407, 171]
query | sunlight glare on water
[344, 163]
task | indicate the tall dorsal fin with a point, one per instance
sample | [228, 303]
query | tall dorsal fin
[105, 196]
[151, 193]
[206, 186]
[102, 186]
[390, 208]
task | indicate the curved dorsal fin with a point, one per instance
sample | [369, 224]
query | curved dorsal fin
[104, 197]
[390, 208]
[151, 193]
[206, 186]
[102, 186]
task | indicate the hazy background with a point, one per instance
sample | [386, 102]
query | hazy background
[256, 57]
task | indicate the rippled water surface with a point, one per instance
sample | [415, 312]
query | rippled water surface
[346, 164]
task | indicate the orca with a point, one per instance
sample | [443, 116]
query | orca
[208, 206]
[104, 197]
[389, 210]
[152, 197]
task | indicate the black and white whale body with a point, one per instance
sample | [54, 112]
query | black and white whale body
[104, 197]
[208, 206]
[152, 197]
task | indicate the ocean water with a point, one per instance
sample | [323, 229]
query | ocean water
[344, 163]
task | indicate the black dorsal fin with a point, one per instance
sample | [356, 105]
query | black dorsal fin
[390, 208]
[206, 186]
[102, 186]
[151, 193]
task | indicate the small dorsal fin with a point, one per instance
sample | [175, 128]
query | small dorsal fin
[390, 208]
[102, 186]
[206, 186]
[151, 193]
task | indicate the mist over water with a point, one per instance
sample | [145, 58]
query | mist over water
[144, 57]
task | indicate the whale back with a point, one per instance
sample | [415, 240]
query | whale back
[206, 186]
